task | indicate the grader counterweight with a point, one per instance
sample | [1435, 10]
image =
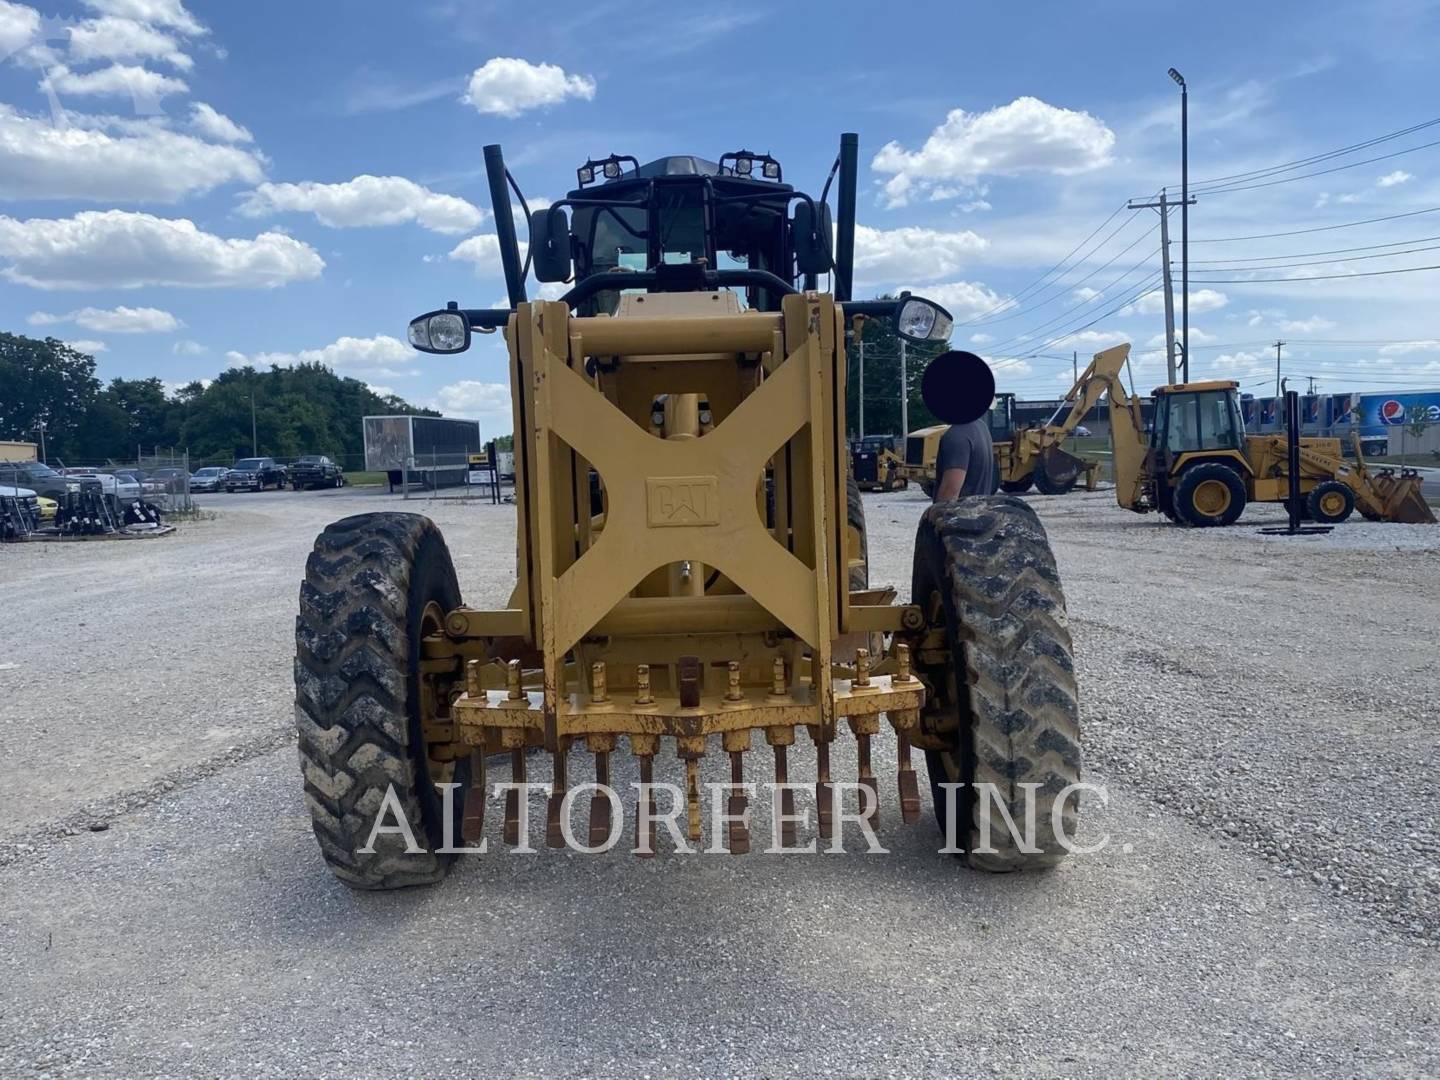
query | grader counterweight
[691, 559]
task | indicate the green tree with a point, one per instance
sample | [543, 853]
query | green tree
[1417, 419]
[46, 381]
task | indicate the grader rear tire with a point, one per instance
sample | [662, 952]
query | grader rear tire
[855, 517]
[374, 585]
[1011, 676]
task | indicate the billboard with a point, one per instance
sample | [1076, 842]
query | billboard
[1382, 413]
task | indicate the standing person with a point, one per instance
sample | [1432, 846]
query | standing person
[958, 388]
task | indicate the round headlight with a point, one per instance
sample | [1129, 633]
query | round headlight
[447, 331]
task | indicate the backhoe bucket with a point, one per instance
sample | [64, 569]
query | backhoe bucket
[1402, 497]
[1061, 468]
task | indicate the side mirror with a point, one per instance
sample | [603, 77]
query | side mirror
[445, 331]
[921, 320]
[550, 244]
[811, 230]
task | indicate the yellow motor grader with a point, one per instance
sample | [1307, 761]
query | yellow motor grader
[714, 589]
[1196, 465]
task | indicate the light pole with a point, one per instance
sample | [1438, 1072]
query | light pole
[40, 427]
[1184, 222]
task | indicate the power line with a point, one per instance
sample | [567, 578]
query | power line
[1151, 280]
[1318, 172]
[1318, 228]
[1314, 277]
[1307, 254]
[1315, 158]
[1317, 262]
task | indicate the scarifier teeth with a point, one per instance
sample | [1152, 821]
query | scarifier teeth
[736, 806]
[787, 797]
[599, 683]
[512, 797]
[824, 792]
[867, 779]
[514, 691]
[732, 685]
[862, 668]
[600, 802]
[472, 818]
[909, 784]
[645, 824]
[643, 696]
[554, 834]
[692, 799]
[472, 682]
[778, 687]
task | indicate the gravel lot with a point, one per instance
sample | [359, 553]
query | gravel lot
[1262, 712]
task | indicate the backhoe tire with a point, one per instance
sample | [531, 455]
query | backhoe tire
[372, 584]
[1047, 486]
[1330, 502]
[1009, 680]
[1209, 495]
[1017, 487]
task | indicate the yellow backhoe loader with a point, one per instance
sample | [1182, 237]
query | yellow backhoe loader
[1196, 465]
[1025, 457]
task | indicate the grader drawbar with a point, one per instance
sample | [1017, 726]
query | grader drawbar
[691, 564]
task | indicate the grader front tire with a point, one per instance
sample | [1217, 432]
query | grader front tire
[859, 576]
[373, 586]
[1011, 683]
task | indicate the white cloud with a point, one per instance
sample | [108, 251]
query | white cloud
[890, 255]
[380, 355]
[1391, 179]
[482, 250]
[117, 80]
[90, 348]
[366, 200]
[1026, 135]
[1312, 325]
[1009, 368]
[170, 13]
[1087, 339]
[507, 86]
[383, 391]
[484, 401]
[961, 298]
[18, 27]
[1237, 359]
[1085, 293]
[111, 38]
[149, 163]
[1153, 303]
[1403, 347]
[1197, 337]
[189, 348]
[981, 339]
[118, 249]
[118, 320]
[216, 125]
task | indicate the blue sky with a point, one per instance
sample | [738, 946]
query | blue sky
[185, 186]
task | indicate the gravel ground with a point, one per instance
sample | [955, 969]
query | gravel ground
[1260, 712]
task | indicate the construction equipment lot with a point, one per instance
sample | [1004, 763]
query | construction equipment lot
[1261, 710]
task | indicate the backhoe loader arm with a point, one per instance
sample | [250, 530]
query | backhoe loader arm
[1127, 426]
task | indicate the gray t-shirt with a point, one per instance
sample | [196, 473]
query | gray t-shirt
[968, 447]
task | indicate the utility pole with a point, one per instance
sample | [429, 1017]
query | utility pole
[1075, 365]
[254, 442]
[904, 396]
[862, 388]
[1163, 205]
[40, 427]
[1311, 391]
[1278, 346]
[1184, 217]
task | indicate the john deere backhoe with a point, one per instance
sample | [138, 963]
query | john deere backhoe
[1197, 466]
[716, 587]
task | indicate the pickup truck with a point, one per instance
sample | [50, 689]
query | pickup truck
[315, 471]
[254, 474]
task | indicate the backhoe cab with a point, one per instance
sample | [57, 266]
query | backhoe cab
[691, 559]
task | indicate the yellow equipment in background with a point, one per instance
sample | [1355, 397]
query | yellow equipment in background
[1196, 465]
[875, 465]
[1025, 457]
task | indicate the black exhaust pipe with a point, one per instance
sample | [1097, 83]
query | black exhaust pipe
[845, 225]
[505, 224]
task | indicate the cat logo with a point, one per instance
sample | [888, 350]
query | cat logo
[682, 501]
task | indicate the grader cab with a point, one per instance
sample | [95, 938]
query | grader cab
[691, 564]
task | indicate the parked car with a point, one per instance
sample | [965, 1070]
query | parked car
[120, 487]
[48, 507]
[210, 478]
[1082, 431]
[168, 481]
[149, 485]
[41, 479]
[315, 471]
[254, 474]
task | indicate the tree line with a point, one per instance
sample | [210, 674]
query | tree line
[305, 409]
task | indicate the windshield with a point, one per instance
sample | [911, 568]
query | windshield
[213, 470]
[35, 468]
[311, 459]
[249, 464]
